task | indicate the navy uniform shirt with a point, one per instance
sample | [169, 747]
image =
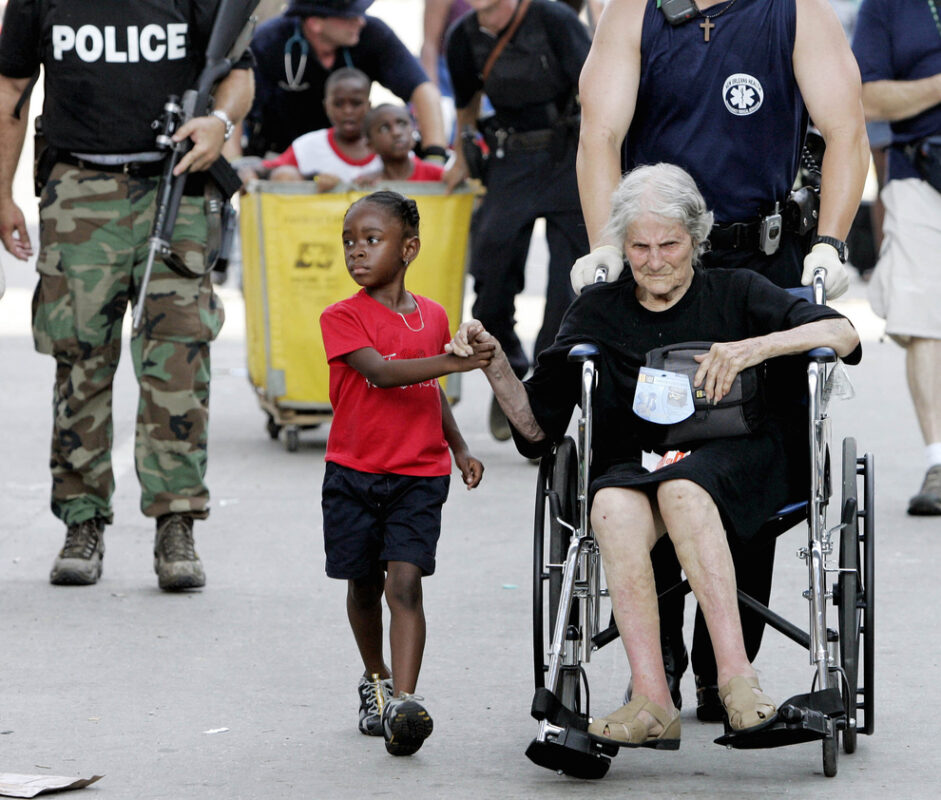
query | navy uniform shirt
[279, 115]
[898, 40]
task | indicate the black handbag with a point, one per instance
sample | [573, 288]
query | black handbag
[741, 412]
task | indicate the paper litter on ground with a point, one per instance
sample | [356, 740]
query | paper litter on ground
[13, 785]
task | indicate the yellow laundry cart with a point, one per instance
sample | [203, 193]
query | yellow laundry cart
[293, 268]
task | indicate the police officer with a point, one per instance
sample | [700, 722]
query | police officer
[532, 138]
[724, 91]
[296, 52]
[107, 78]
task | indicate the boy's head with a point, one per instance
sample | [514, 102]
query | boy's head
[346, 101]
[390, 132]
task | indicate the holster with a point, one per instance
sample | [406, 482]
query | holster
[925, 156]
[473, 155]
[44, 158]
[801, 210]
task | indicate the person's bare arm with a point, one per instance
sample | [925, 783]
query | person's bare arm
[835, 106]
[433, 22]
[892, 100]
[406, 371]
[608, 91]
[470, 337]
[12, 134]
[234, 97]
[725, 360]
[426, 101]
[472, 470]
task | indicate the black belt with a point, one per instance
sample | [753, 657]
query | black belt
[530, 140]
[500, 140]
[735, 236]
[135, 169]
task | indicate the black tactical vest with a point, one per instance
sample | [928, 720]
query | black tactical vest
[109, 67]
[527, 86]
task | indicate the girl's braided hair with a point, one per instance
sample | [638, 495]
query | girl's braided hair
[399, 206]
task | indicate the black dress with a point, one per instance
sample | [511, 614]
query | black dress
[748, 477]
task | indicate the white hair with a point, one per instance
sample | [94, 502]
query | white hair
[667, 191]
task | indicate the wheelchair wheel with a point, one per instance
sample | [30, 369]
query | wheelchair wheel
[867, 691]
[831, 754]
[850, 589]
[558, 479]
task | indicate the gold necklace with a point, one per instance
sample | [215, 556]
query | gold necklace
[707, 24]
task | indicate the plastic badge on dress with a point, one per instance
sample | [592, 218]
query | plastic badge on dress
[662, 397]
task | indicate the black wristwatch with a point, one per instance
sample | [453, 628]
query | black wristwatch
[435, 152]
[838, 244]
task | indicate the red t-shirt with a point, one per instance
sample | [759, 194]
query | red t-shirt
[424, 171]
[396, 430]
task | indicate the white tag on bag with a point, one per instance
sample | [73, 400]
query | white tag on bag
[662, 397]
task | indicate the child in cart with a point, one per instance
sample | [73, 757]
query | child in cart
[383, 489]
[390, 132]
[329, 156]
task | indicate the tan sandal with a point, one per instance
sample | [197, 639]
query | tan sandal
[624, 729]
[746, 708]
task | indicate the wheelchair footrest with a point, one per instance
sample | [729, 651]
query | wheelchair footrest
[563, 743]
[802, 718]
[570, 752]
[548, 707]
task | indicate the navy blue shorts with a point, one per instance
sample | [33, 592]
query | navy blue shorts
[370, 520]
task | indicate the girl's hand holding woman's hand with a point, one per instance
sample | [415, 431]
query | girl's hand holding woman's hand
[471, 337]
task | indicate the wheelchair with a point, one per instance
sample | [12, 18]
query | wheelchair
[569, 593]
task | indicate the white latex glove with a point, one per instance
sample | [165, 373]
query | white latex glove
[583, 270]
[825, 256]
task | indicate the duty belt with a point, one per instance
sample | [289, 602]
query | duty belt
[798, 216]
[502, 140]
[135, 169]
[735, 236]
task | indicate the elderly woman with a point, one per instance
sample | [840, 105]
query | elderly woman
[724, 487]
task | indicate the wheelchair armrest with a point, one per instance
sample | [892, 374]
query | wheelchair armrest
[823, 355]
[582, 352]
[806, 292]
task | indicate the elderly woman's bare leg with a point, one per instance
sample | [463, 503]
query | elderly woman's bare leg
[626, 528]
[695, 527]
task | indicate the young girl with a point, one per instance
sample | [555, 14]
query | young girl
[388, 466]
[390, 132]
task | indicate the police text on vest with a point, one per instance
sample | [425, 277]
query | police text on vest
[151, 43]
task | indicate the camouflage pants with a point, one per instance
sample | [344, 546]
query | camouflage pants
[94, 230]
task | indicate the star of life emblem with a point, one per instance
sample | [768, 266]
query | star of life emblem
[742, 94]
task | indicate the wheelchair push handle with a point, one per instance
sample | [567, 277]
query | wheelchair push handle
[820, 286]
[581, 353]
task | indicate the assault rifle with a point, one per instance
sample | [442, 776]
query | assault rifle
[231, 32]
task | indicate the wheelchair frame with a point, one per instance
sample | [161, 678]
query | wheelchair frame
[568, 592]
